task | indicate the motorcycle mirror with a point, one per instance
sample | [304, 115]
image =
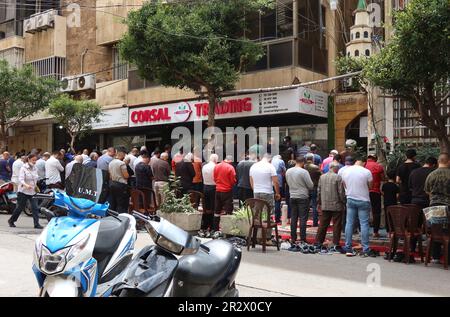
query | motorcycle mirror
[172, 238]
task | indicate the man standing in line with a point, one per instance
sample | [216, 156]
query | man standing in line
[40, 165]
[403, 172]
[209, 190]
[329, 159]
[264, 179]
[437, 185]
[161, 173]
[104, 160]
[5, 169]
[331, 202]
[225, 178]
[280, 168]
[77, 160]
[53, 170]
[300, 184]
[314, 172]
[378, 177]
[357, 181]
[93, 157]
[243, 175]
[143, 172]
[317, 158]
[417, 180]
[119, 198]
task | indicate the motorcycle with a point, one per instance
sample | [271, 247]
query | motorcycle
[8, 198]
[84, 253]
[179, 265]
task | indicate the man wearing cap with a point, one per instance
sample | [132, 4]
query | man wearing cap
[377, 171]
[329, 159]
[225, 178]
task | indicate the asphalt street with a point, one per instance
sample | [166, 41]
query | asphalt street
[273, 274]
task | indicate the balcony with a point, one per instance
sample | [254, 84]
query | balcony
[109, 16]
[12, 50]
[111, 93]
[47, 43]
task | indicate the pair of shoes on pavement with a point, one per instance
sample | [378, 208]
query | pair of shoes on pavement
[216, 234]
[349, 252]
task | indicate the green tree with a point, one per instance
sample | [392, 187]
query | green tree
[415, 65]
[22, 94]
[76, 116]
[198, 45]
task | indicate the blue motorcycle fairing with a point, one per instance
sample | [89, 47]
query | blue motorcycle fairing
[39, 276]
[84, 277]
[79, 207]
[61, 230]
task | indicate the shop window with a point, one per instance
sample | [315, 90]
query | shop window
[366, 34]
[356, 53]
[357, 35]
[280, 54]
[367, 52]
[274, 23]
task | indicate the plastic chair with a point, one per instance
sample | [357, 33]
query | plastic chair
[257, 207]
[415, 225]
[438, 233]
[197, 199]
[398, 219]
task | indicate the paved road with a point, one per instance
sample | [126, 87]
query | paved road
[261, 275]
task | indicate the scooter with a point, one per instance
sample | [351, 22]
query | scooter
[84, 253]
[179, 265]
[8, 198]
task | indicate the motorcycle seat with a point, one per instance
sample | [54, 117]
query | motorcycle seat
[206, 268]
[110, 234]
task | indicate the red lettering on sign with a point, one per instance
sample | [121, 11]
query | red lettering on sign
[153, 115]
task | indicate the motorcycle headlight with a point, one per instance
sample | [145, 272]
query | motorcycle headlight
[77, 248]
[52, 263]
[38, 248]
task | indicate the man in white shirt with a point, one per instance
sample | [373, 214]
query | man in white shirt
[263, 179]
[77, 160]
[53, 170]
[40, 165]
[132, 156]
[209, 190]
[17, 165]
[357, 180]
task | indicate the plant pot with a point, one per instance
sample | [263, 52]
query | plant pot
[236, 227]
[187, 221]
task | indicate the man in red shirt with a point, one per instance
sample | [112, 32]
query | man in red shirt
[377, 171]
[225, 178]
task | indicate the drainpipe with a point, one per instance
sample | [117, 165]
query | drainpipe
[82, 59]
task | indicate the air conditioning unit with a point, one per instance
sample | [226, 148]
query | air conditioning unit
[45, 20]
[68, 84]
[29, 25]
[86, 82]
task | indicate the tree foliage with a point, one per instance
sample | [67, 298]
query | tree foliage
[76, 116]
[415, 65]
[198, 45]
[22, 94]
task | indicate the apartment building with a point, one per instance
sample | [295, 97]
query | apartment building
[302, 38]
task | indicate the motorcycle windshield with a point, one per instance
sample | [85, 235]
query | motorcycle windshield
[87, 182]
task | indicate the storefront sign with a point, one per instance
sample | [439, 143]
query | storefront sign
[299, 100]
[112, 118]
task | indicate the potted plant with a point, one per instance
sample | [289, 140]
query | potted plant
[177, 209]
[238, 223]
